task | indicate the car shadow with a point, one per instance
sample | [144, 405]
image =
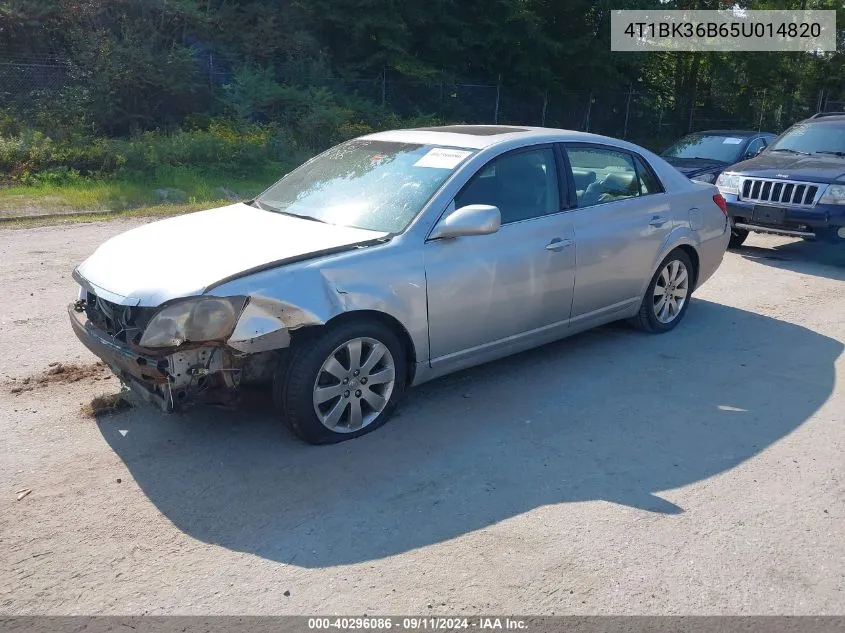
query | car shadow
[820, 259]
[611, 415]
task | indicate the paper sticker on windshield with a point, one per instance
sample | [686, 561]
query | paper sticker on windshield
[732, 141]
[440, 158]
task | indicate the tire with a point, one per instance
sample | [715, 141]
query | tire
[648, 319]
[738, 237]
[309, 368]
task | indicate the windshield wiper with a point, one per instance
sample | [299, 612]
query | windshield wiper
[791, 151]
[261, 205]
[714, 160]
[304, 217]
[266, 207]
[830, 151]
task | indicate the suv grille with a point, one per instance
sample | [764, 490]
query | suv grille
[798, 194]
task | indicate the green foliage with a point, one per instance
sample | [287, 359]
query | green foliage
[30, 156]
[227, 87]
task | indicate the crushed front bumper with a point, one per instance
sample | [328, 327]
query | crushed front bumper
[146, 376]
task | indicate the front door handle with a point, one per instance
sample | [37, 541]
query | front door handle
[558, 244]
[657, 221]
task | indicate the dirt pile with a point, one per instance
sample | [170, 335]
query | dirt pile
[60, 373]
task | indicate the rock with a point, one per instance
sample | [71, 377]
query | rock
[23, 493]
[169, 194]
[222, 193]
[53, 364]
[286, 594]
[56, 369]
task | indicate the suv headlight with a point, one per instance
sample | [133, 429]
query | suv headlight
[835, 194]
[708, 178]
[200, 319]
[729, 183]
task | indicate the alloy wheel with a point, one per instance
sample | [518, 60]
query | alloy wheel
[354, 385]
[670, 291]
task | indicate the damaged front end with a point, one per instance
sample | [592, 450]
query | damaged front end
[199, 349]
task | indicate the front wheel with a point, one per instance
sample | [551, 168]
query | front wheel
[343, 383]
[667, 298]
[738, 237]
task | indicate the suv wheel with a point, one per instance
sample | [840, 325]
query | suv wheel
[738, 236]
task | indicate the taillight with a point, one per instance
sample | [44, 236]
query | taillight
[721, 203]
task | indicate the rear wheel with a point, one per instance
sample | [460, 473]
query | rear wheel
[667, 298]
[342, 384]
[738, 237]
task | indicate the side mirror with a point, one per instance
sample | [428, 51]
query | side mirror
[473, 219]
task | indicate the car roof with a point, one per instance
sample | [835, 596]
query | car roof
[825, 117]
[482, 136]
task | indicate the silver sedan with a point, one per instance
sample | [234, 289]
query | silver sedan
[395, 258]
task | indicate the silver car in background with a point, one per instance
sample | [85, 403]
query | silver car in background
[395, 258]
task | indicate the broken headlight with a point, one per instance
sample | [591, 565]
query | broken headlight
[193, 320]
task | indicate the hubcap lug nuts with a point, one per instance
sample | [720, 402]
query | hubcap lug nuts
[345, 394]
[358, 394]
[346, 381]
[356, 372]
[364, 380]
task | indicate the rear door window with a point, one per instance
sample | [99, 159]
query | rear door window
[603, 175]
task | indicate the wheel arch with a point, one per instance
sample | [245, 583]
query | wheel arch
[696, 262]
[391, 322]
[672, 243]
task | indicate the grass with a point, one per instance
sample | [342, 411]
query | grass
[170, 191]
[151, 211]
[110, 404]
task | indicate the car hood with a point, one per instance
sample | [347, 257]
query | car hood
[182, 256]
[815, 168]
[694, 166]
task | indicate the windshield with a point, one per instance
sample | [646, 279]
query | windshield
[710, 146]
[810, 138]
[374, 185]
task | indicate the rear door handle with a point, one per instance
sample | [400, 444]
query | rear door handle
[657, 221]
[558, 244]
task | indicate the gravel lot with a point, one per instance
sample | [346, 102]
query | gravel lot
[699, 472]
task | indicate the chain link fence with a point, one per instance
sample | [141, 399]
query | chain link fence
[636, 115]
[19, 78]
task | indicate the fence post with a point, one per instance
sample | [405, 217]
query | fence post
[545, 105]
[589, 109]
[762, 108]
[383, 86]
[440, 103]
[498, 92]
[627, 110]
